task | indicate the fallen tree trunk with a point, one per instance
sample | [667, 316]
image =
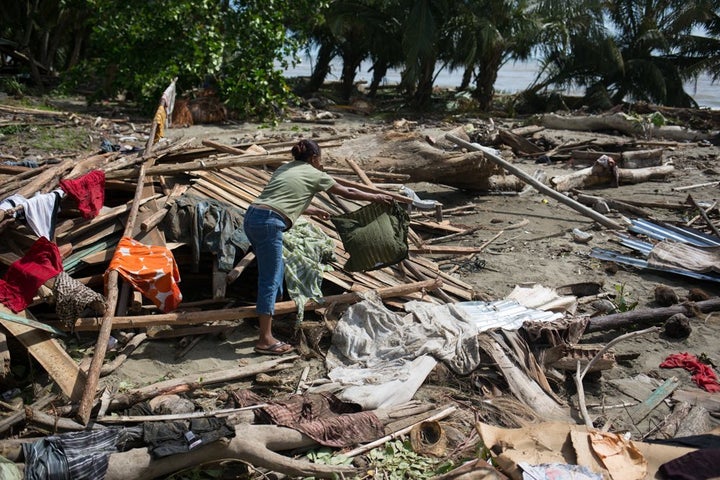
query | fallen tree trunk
[591, 176]
[650, 316]
[256, 445]
[624, 124]
[410, 154]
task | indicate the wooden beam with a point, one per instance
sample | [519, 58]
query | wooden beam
[191, 318]
[50, 354]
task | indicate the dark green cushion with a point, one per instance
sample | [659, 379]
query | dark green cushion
[375, 236]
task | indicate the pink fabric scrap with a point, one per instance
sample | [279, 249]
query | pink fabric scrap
[25, 275]
[88, 191]
[702, 374]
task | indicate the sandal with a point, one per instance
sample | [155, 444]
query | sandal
[277, 348]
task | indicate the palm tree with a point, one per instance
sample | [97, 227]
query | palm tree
[700, 50]
[484, 35]
[637, 56]
[423, 28]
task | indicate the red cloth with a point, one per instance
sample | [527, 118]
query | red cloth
[703, 375]
[88, 191]
[24, 276]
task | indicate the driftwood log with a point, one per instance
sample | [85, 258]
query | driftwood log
[622, 123]
[591, 176]
[254, 444]
[257, 445]
[411, 154]
[644, 317]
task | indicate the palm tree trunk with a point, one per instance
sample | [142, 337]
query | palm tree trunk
[467, 76]
[423, 93]
[350, 65]
[485, 81]
[322, 67]
[380, 68]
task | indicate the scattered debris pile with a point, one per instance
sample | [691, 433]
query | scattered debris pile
[147, 243]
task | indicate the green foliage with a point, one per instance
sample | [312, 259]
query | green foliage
[397, 461]
[240, 48]
[326, 456]
[12, 87]
[138, 47]
[622, 301]
[251, 79]
[45, 138]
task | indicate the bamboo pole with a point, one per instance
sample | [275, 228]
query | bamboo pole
[588, 212]
[93, 377]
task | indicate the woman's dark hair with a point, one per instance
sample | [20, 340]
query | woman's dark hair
[304, 150]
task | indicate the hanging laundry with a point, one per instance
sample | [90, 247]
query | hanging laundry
[40, 211]
[24, 276]
[88, 191]
[13, 201]
[150, 269]
[207, 225]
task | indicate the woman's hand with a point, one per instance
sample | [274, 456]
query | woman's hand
[318, 213]
[382, 198]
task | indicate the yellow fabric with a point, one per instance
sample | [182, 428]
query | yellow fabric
[160, 119]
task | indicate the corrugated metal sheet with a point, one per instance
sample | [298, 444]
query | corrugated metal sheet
[658, 232]
[671, 232]
[507, 314]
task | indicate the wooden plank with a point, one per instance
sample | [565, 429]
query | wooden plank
[710, 401]
[50, 354]
[638, 412]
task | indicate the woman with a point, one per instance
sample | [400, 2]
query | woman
[287, 195]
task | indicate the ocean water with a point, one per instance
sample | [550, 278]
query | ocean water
[512, 78]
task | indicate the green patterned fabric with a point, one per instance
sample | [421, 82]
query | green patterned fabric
[306, 253]
[375, 236]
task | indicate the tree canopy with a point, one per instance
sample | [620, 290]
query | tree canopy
[618, 50]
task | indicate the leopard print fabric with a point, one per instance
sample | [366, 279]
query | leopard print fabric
[72, 298]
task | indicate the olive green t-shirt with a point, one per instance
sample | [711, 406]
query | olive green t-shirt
[292, 187]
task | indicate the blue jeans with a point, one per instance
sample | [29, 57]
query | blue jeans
[264, 229]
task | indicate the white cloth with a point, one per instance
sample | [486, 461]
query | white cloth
[385, 356]
[41, 212]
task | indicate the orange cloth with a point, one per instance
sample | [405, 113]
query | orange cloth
[150, 269]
